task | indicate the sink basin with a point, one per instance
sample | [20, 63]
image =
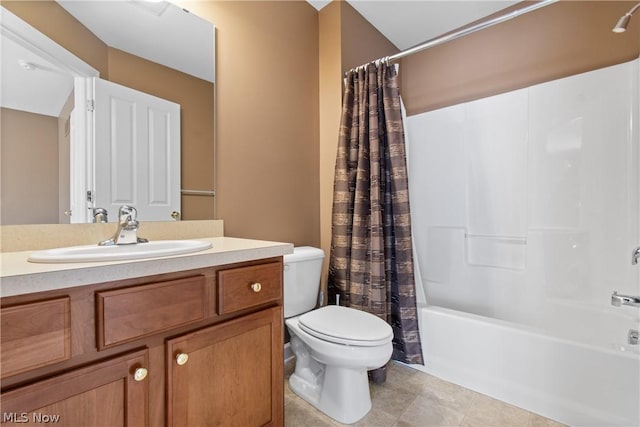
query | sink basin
[95, 253]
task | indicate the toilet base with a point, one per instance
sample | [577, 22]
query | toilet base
[333, 377]
[340, 393]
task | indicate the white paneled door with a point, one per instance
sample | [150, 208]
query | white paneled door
[136, 152]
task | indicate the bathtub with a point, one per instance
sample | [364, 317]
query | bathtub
[573, 382]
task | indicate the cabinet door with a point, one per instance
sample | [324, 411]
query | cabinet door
[110, 393]
[229, 374]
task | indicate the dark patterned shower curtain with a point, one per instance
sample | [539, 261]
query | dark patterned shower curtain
[371, 260]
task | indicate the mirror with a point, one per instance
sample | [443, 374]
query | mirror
[153, 47]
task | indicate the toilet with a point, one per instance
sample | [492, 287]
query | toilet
[334, 346]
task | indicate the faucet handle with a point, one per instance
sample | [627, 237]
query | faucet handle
[619, 299]
[127, 213]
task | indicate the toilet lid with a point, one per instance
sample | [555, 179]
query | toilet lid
[345, 325]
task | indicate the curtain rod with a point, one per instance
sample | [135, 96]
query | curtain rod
[465, 31]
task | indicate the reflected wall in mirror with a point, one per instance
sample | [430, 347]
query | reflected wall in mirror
[36, 174]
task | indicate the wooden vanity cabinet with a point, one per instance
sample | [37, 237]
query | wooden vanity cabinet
[224, 375]
[110, 393]
[194, 348]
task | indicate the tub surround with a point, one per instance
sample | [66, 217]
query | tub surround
[146, 335]
[536, 220]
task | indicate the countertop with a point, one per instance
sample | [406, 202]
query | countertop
[19, 276]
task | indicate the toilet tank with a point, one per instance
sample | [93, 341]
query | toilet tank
[302, 271]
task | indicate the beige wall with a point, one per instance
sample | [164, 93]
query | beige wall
[559, 40]
[267, 180]
[29, 162]
[361, 42]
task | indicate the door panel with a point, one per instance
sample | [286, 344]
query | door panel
[136, 152]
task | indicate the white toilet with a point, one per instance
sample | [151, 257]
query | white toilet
[334, 346]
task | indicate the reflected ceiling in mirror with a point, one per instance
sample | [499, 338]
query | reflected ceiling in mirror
[31, 81]
[154, 30]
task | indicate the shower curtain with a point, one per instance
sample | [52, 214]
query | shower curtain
[371, 259]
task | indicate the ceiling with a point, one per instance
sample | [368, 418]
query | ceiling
[408, 23]
[159, 32]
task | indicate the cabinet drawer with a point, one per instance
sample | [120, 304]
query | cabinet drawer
[132, 313]
[245, 287]
[34, 335]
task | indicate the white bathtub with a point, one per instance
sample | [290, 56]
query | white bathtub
[559, 378]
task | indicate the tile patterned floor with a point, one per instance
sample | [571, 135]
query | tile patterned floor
[411, 398]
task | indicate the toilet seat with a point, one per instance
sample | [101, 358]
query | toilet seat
[348, 326]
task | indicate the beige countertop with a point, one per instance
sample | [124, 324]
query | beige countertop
[19, 276]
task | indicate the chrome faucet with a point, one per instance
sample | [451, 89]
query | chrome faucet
[127, 231]
[618, 300]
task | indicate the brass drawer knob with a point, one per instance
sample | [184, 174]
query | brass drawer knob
[140, 374]
[182, 358]
[256, 287]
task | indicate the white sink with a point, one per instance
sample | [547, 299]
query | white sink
[93, 253]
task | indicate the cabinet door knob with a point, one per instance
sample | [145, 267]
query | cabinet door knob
[140, 374]
[182, 358]
[256, 287]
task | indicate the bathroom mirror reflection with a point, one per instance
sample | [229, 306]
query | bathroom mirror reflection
[153, 48]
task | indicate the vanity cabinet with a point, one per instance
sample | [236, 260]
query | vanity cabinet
[190, 348]
[225, 373]
[111, 393]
